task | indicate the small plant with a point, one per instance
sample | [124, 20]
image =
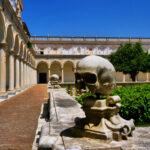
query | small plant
[83, 96]
[69, 90]
[29, 44]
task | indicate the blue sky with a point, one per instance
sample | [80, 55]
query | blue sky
[119, 18]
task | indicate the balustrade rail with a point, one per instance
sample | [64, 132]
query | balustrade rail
[68, 38]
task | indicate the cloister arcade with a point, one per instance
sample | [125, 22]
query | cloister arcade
[65, 71]
[17, 63]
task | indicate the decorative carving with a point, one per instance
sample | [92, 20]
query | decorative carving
[102, 119]
[53, 83]
[18, 10]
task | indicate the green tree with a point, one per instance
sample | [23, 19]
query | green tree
[130, 59]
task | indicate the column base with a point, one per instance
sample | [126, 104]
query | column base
[3, 96]
[18, 90]
[11, 93]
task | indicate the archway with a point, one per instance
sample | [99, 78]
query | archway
[2, 28]
[55, 68]
[69, 72]
[42, 72]
[9, 65]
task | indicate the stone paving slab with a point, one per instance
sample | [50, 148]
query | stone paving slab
[58, 130]
[18, 118]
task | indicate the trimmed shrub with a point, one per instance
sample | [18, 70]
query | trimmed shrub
[135, 102]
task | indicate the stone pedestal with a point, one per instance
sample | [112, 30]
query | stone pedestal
[103, 121]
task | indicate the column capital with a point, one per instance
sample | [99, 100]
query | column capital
[17, 57]
[3, 45]
[11, 52]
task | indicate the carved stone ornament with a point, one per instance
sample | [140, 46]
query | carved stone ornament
[53, 83]
[102, 118]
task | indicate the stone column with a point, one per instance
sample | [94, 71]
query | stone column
[2, 67]
[147, 77]
[11, 71]
[124, 78]
[74, 69]
[29, 74]
[27, 78]
[62, 75]
[22, 73]
[49, 74]
[17, 73]
[35, 76]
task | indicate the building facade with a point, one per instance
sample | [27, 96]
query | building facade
[60, 55]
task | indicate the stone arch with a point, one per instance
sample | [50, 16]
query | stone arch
[55, 68]
[69, 61]
[69, 71]
[21, 49]
[28, 54]
[42, 72]
[2, 28]
[10, 38]
[17, 44]
[25, 52]
[56, 61]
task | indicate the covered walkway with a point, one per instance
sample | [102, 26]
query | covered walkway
[19, 116]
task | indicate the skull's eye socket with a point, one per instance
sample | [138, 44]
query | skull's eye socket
[77, 76]
[89, 78]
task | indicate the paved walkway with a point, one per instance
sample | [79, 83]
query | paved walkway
[18, 118]
[57, 133]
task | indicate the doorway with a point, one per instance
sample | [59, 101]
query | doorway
[42, 77]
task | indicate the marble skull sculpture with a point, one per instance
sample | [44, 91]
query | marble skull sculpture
[95, 74]
[54, 77]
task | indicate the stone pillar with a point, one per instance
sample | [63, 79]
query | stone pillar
[2, 68]
[74, 69]
[36, 76]
[124, 78]
[49, 74]
[62, 75]
[27, 77]
[147, 77]
[22, 73]
[17, 73]
[11, 71]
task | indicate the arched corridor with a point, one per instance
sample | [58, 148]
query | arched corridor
[69, 72]
[55, 68]
[42, 72]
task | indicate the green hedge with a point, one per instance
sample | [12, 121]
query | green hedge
[135, 102]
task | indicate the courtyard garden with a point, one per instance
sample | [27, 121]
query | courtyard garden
[135, 102]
